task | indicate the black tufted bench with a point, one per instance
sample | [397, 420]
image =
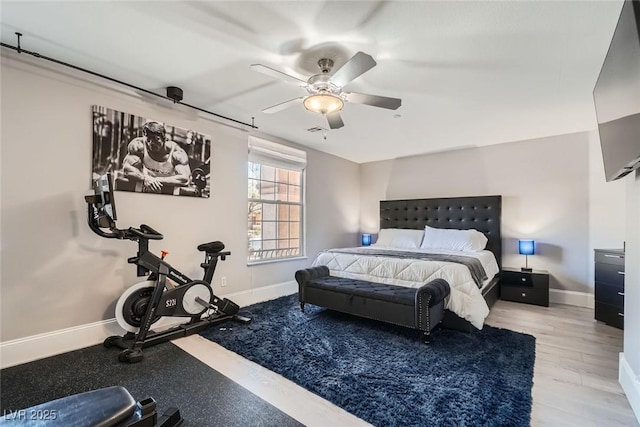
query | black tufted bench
[421, 308]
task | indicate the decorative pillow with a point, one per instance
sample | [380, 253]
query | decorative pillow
[455, 240]
[399, 238]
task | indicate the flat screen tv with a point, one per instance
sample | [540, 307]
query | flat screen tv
[617, 96]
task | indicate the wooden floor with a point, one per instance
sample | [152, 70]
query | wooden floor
[576, 371]
[575, 376]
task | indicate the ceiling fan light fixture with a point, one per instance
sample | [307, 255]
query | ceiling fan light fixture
[323, 103]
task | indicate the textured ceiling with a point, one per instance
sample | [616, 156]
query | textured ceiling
[468, 73]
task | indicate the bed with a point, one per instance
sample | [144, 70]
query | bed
[471, 296]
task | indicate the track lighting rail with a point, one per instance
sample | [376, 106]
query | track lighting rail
[93, 73]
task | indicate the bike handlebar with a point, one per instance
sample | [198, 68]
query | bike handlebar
[145, 232]
[95, 226]
[131, 233]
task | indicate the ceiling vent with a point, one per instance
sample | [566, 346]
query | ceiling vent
[316, 129]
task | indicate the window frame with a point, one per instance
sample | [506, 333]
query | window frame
[283, 163]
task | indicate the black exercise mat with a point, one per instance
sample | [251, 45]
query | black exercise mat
[168, 374]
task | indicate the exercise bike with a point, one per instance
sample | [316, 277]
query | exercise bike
[166, 292]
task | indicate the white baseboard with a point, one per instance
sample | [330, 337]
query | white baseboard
[265, 293]
[580, 299]
[630, 383]
[23, 350]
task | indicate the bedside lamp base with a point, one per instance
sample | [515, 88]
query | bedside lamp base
[526, 264]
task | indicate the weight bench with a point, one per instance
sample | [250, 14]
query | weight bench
[418, 308]
[106, 407]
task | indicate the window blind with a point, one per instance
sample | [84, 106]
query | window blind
[275, 154]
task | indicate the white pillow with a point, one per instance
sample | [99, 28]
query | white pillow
[455, 240]
[399, 238]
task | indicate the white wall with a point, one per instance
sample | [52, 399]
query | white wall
[630, 361]
[632, 274]
[547, 194]
[56, 273]
[607, 210]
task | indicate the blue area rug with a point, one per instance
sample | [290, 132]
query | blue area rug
[383, 373]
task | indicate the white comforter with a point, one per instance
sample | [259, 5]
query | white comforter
[465, 298]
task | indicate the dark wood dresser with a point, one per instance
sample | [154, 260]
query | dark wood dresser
[609, 278]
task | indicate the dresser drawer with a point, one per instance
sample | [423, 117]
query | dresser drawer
[525, 294]
[609, 258]
[609, 294]
[525, 279]
[610, 274]
[610, 315]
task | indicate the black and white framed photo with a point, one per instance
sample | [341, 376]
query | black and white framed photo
[149, 156]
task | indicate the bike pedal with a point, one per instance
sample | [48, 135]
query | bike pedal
[241, 319]
[229, 308]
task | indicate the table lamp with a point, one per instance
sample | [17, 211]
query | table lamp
[526, 248]
[366, 239]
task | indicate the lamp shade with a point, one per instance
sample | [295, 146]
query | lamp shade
[323, 103]
[526, 247]
[366, 239]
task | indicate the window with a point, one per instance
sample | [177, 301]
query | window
[275, 201]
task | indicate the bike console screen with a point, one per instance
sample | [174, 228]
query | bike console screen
[103, 201]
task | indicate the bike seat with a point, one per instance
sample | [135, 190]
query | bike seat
[211, 247]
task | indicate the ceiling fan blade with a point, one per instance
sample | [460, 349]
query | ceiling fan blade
[374, 100]
[359, 64]
[283, 105]
[278, 74]
[335, 120]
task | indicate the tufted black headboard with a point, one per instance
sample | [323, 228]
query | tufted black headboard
[482, 213]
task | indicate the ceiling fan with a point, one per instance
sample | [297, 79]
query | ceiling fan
[325, 94]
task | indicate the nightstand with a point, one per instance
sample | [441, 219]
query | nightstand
[531, 287]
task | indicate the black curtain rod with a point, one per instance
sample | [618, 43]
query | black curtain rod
[37, 55]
